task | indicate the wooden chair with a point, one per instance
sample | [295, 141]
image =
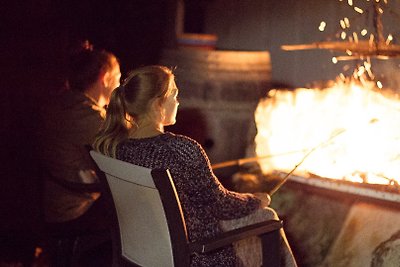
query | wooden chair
[150, 226]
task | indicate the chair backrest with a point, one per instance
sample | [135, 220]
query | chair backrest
[151, 225]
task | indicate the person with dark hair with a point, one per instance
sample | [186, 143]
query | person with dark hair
[71, 121]
[133, 131]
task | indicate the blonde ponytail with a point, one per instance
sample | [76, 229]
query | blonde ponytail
[115, 127]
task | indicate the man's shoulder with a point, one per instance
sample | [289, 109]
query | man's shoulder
[71, 113]
[76, 105]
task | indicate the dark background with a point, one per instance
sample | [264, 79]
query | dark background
[36, 38]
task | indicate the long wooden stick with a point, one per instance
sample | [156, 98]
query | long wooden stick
[247, 160]
[252, 159]
[372, 121]
[284, 179]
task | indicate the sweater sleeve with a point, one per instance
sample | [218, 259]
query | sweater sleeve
[203, 188]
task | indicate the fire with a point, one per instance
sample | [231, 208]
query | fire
[348, 131]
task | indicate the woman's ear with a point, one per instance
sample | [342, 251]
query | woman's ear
[104, 76]
[156, 103]
[156, 107]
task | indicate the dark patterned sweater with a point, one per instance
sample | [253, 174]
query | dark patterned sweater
[204, 200]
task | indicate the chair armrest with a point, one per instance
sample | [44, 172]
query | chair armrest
[227, 238]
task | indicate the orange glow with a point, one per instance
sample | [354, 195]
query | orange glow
[352, 129]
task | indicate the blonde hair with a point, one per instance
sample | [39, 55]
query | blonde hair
[129, 103]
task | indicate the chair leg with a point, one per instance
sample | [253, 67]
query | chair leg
[271, 249]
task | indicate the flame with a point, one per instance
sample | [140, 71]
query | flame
[352, 129]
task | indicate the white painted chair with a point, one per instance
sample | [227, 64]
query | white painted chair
[150, 226]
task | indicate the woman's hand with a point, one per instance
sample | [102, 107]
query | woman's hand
[265, 199]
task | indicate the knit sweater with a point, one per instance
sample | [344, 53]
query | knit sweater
[204, 199]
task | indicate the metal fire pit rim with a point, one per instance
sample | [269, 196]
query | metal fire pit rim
[350, 189]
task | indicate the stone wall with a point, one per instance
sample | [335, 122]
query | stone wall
[326, 228]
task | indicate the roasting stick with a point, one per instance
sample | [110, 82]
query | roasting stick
[247, 160]
[284, 179]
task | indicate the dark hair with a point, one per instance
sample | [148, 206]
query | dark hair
[86, 65]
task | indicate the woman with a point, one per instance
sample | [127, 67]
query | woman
[133, 131]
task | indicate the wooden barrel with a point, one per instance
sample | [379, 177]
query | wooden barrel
[219, 91]
[197, 41]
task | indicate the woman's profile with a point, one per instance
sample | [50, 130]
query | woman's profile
[133, 131]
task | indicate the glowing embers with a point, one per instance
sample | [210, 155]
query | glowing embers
[353, 130]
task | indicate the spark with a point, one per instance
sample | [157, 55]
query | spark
[364, 32]
[348, 52]
[322, 26]
[343, 35]
[379, 84]
[389, 39]
[334, 60]
[367, 66]
[355, 37]
[361, 71]
[350, 2]
[371, 39]
[347, 22]
[342, 24]
[359, 10]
